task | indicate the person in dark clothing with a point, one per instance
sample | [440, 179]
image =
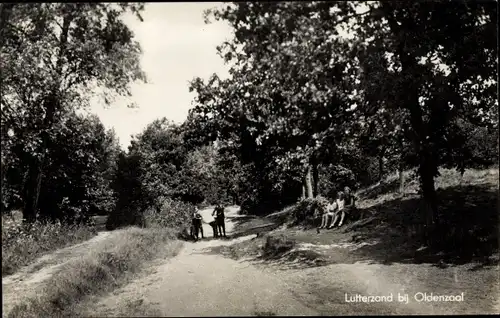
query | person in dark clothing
[196, 225]
[213, 224]
[219, 219]
[350, 203]
[349, 197]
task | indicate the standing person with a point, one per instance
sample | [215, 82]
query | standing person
[219, 219]
[197, 225]
[213, 225]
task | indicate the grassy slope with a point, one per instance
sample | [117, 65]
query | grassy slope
[388, 237]
[21, 247]
[468, 203]
[103, 269]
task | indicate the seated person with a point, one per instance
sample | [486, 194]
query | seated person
[340, 209]
[329, 213]
[350, 198]
[350, 203]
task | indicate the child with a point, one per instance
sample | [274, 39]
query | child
[329, 214]
[197, 225]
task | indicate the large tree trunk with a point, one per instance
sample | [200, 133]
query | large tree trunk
[32, 191]
[51, 104]
[308, 182]
[315, 177]
[37, 164]
[409, 99]
[401, 164]
[427, 171]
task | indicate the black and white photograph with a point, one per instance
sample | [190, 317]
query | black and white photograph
[278, 158]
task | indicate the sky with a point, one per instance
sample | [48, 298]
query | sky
[177, 46]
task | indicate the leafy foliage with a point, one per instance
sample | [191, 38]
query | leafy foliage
[53, 55]
[154, 177]
[402, 88]
[77, 173]
[308, 211]
[320, 95]
[77, 177]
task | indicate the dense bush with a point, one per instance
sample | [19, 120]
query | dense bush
[307, 211]
[334, 178]
[169, 213]
[129, 194]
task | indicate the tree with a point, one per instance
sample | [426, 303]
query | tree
[162, 155]
[289, 86]
[52, 54]
[76, 181]
[77, 175]
[441, 66]
[300, 91]
[129, 193]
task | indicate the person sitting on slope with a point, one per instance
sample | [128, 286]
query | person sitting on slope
[340, 210]
[329, 213]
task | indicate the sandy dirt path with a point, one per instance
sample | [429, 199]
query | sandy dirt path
[200, 282]
[197, 283]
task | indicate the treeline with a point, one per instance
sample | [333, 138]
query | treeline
[160, 169]
[320, 95]
[58, 163]
[346, 92]
[77, 173]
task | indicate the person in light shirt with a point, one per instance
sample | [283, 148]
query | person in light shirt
[340, 202]
[330, 213]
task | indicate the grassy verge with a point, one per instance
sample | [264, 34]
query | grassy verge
[21, 246]
[102, 270]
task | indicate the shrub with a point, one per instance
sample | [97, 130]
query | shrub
[277, 245]
[308, 210]
[333, 177]
[169, 213]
